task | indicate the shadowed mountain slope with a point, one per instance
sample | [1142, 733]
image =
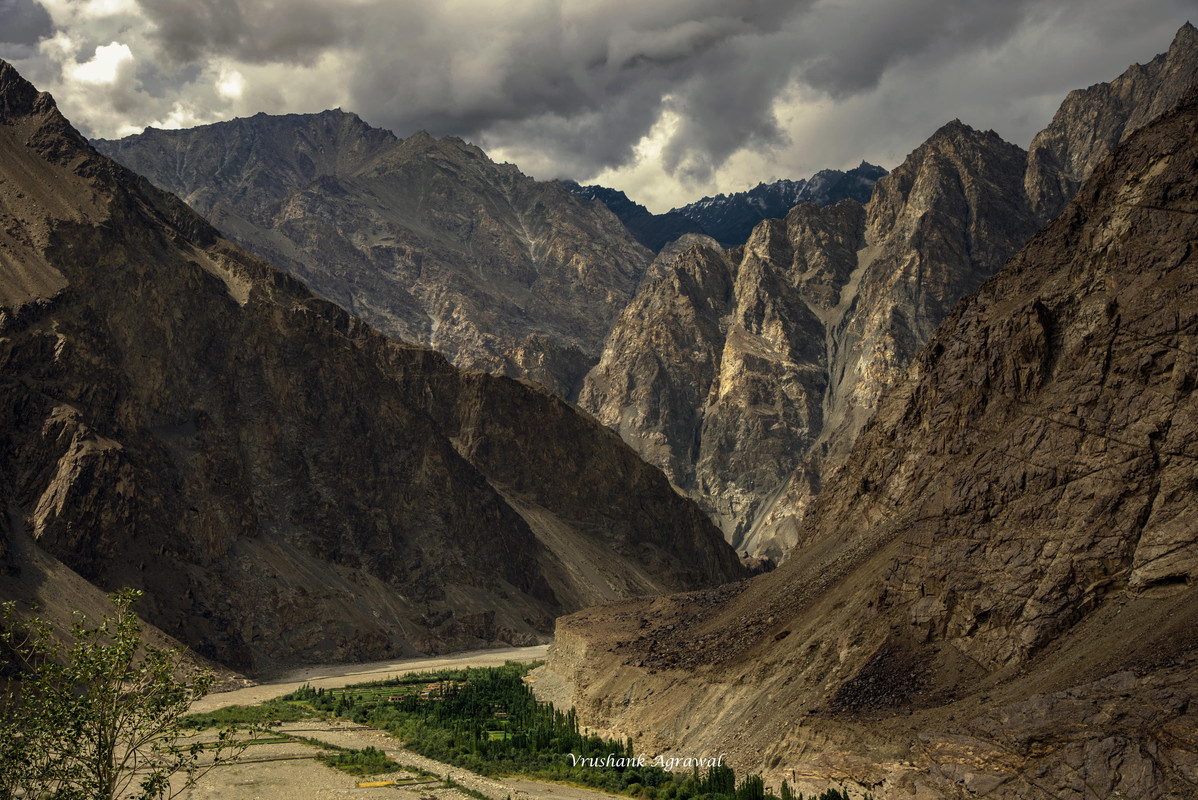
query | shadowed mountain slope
[654, 231]
[284, 482]
[731, 218]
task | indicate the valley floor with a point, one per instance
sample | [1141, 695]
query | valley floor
[290, 771]
[332, 675]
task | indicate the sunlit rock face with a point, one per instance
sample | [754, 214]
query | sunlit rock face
[730, 369]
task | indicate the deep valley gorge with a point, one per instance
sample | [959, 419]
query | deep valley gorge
[874, 479]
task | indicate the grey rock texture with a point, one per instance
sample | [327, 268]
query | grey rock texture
[730, 369]
[1091, 122]
[427, 240]
[997, 594]
[285, 483]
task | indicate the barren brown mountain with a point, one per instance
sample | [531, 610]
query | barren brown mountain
[998, 594]
[284, 482]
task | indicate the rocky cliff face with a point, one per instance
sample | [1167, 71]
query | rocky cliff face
[284, 482]
[427, 240]
[729, 369]
[933, 230]
[936, 227]
[997, 592]
[1091, 122]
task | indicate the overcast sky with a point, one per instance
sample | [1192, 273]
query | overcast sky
[668, 100]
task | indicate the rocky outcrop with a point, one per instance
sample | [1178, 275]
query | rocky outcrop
[731, 218]
[730, 370]
[996, 594]
[285, 483]
[940, 224]
[1091, 122]
[427, 240]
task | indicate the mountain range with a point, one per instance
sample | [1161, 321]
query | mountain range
[425, 239]
[743, 373]
[283, 482]
[654, 231]
[746, 374]
[730, 218]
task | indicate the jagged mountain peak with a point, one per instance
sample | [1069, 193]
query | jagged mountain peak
[17, 95]
[19, 99]
[1093, 121]
[1187, 36]
[959, 134]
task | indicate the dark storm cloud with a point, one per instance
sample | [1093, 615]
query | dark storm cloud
[847, 49]
[586, 81]
[23, 22]
[253, 31]
[578, 83]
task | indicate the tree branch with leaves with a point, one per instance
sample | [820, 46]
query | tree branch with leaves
[97, 717]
